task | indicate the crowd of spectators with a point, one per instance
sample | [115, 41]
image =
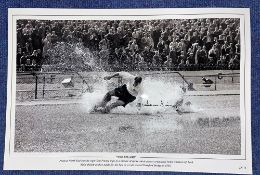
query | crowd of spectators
[170, 44]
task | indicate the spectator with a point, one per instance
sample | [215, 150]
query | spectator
[173, 44]
[46, 45]
[86, 38]
[165, 53]
[147, 55]
[126, 38]
[28, 62]
[104, 57]
[161, 45]
[165, 35]
[123, 58]
[190, 58]
[28, 29]
[118, 37]
[34, 57]
[173, 55]
[213, 52]
[104, 43]
[195, 37]
[225, 49]
[133, 47]
[156, 34]
[216, 32]
[209, 40]
[222, 62]
[143, 42]
[34, 64]
[23, 61]
[232, 50]
[141, 64]
[156, 59]
[39, 57]
[182, 58]
[187, 61]
[18, 57]
[183, 47]
[20, 36]
[27, 48]
[168, 63]
[117, 55]
[200, 56]
[136, 35]
[94, 41]
[36, 39]
[234, 63]
[150, 42]
[237, 48]
[181, 65]
[54, 37]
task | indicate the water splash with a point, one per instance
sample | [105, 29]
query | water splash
[158, 97]
[90, 99]
[71, 56]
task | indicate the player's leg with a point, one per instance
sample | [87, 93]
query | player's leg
[111, 106]
[106, 98]
[104, 101]
[178, 103]
[177, 106]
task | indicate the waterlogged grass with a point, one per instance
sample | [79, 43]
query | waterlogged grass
[213, 129]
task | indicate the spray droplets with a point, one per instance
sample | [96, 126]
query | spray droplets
[71, 57]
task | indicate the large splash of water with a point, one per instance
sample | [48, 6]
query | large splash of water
[158, 97]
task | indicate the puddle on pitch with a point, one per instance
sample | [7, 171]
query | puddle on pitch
[161, 125]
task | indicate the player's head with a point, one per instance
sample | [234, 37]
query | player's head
[137, 81]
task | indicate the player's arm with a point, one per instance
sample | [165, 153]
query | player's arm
[111, 76]
[124, 75]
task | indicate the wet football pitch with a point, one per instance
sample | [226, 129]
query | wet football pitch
[66, 127]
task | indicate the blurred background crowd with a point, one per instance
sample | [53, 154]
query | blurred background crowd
[171, 44]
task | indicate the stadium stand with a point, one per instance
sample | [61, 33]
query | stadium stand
[171, 44]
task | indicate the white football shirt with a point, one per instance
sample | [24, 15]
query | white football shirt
[130, 79]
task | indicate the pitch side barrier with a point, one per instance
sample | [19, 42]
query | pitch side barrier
[190, 84]
[45, 85]
[218, 80]
[48, 85]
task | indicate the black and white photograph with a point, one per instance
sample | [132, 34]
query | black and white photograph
[129, 85]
